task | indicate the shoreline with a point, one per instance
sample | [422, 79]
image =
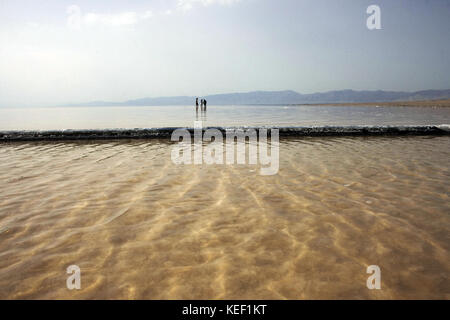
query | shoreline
[165, 133]
[440, 103]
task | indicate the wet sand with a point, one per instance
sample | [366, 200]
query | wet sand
[166, 133]
[160, 133]
[141, 227]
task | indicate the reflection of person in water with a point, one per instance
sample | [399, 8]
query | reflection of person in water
[203, 115]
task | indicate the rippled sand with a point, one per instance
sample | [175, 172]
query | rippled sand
[139, 226]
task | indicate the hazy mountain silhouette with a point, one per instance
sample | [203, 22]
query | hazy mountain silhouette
[284, 97]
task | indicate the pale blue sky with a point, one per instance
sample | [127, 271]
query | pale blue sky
[130, 49]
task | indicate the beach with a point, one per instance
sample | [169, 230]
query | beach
[141, 227]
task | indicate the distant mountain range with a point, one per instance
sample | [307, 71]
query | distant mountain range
[284, 97]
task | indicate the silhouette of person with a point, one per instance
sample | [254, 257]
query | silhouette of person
[196, 104]
[204, 103]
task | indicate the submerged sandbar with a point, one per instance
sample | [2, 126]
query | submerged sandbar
[158, 133]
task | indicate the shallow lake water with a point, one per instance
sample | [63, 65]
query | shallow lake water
[140, 226]
[179, 116]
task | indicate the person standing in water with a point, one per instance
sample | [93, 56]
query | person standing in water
[204, 103]
[196, 104]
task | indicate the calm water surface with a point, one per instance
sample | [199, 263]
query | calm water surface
[139, 226]
[177, 116]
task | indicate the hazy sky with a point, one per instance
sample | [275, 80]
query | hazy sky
[119, 50]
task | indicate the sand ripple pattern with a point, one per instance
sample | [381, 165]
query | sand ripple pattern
[141, 227]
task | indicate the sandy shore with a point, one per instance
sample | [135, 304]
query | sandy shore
[423, 103]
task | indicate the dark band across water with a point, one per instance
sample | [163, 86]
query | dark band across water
[165, 133]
